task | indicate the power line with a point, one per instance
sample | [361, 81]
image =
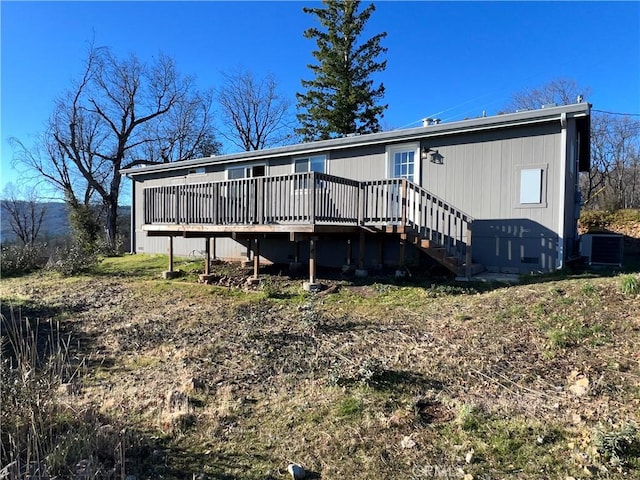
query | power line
[617, 113]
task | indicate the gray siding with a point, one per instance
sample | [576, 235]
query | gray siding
[359, 163]
[480, 175]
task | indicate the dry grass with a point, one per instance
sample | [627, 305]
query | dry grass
[540, 380]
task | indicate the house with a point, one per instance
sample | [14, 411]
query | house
[497, 193]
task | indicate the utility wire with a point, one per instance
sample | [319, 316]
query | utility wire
[616, 113]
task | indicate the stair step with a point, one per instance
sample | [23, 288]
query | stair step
[453, 260]
[434, 250]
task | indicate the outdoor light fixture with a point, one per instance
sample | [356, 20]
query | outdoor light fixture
[432, 155]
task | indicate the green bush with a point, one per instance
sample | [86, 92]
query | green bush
[77, 258]
[21, 259]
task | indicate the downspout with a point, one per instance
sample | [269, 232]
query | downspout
[132, 217]
[562, 190]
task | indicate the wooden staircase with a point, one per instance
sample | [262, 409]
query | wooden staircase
[456, 264]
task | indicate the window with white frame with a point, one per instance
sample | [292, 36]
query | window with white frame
[316, 163]
[403, 161]
[532, 188]
[251, 171]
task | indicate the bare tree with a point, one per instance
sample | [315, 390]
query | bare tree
[253, 115]
[560, 91]
[613, 180]
[25, 213]
[616, 161]
[120, 112]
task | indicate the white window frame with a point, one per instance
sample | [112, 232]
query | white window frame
[247, 170]
[197, 171]
[298, 160]
[308, 160]
[414, 148]
[534, 193]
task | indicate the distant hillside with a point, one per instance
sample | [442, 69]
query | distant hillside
[55, 224]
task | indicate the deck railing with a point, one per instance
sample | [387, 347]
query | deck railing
[297, 198]
[311, 198]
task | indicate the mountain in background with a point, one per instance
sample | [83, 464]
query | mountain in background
[55, 222]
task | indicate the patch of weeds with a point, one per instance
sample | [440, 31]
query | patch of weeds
[182, 422]
[501, 316]
[539, 309]
[630, 284]
[384, 287]
[370, 372]
[556, 291]
[517, 310]
[559, 338]
[512, 312]
[566, 332]
[140, 361]
[469, 417]
[349, 407]
[588, 289]
[270, 288]
[436, 291]
[619, 447]
[499, 445]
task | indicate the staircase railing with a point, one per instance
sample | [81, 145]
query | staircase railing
[400, 202]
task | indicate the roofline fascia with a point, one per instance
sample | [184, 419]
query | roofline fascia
[393, 136]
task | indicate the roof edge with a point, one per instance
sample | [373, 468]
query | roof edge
[475, 124]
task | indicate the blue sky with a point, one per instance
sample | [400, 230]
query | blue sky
[447, 59]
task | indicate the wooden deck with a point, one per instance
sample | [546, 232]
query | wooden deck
[311, 203]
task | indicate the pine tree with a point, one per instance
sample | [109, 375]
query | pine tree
[341, 99]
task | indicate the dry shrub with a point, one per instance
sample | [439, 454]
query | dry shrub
[42, 436]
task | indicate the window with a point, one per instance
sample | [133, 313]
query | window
[403, 165]
[235, 173]
[402, 162]
[310, 164]
[196, 171]
[317, 163]
[532, 188]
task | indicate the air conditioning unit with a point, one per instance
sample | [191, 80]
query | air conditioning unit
[602, 248]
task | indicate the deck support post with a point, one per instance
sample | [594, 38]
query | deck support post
[400, 272]
[207, 256]
[312, 260]
[212, 247]
[170, 254]
[468, 253]
[347, 265]
[170, 273]
[256, 257]
[312, 285]
[361, 272]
